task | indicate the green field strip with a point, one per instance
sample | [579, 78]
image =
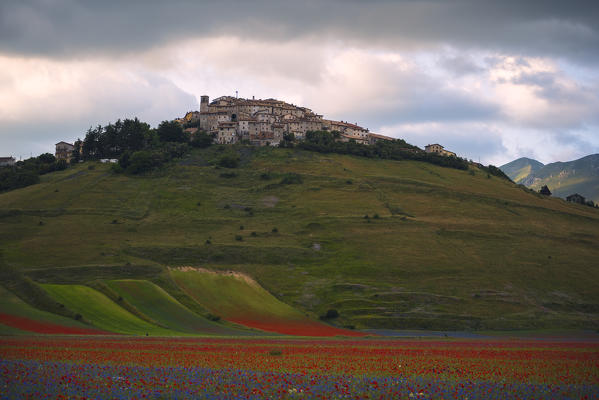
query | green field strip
[159, 305]
[102, 312]
[6, 330]
[233, 295]
[11, 304]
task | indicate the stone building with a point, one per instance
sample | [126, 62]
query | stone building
[232, 119]
[437, 148]
[64, 151]
[7, 161]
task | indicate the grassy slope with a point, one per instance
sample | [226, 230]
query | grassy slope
[157, 304]
[240, 299]
[101, 311]
[12, 305]
[450, 249]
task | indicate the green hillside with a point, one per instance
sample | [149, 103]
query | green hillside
[522, 168]
[17, 317]
[240, 299]
[393, 244]
[563, 178]
[101, 311]
[156, 303]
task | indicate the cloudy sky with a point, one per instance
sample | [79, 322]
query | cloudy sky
[490, 80]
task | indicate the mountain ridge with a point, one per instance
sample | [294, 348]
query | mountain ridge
[563, 178]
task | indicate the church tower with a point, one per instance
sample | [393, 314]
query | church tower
[204, 104]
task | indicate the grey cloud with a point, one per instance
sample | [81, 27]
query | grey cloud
[459, 65]
[534, 27]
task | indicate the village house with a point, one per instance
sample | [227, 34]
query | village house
[64, 151]
[438, 149]
[7, 161]
[576, 198]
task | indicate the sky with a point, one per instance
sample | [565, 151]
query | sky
[490, 80]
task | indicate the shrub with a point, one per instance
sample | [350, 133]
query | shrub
[213, 317]
[275, 230]
[239, 238]
[330, 314]
[202, 139]
[291, 179]
[228, 160]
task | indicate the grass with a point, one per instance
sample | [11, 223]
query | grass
[238, 298]
[13, 305]
[157, 304]
[232, 297]
[102, 312]
[449, 250]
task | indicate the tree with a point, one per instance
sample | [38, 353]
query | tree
[76, 154]
[143, 161]
[171, 131]
[202, 139]
[46, 158]
[545, 191]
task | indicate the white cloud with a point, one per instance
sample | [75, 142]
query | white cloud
[490, 105]
[47, 100]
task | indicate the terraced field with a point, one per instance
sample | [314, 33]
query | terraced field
[18, 317]
[157, 304]
[238, 298]
[102, 312]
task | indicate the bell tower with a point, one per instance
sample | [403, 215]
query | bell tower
[204, 104]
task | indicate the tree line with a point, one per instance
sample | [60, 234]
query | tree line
[136, 145]
[27, 172]
[140, 148]
[398, 149]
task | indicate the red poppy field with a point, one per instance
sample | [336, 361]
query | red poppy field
[124, 367]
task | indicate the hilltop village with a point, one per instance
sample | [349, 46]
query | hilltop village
[230, 120]
[268, 122]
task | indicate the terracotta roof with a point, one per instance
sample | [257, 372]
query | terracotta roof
[374, 135]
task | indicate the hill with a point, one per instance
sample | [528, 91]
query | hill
[563, 178]
[387, 244]
[520, 169]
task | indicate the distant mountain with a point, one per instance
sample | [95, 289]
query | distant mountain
[563, 178]
[522, 168]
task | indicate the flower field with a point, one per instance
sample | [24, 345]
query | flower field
[233, 368]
